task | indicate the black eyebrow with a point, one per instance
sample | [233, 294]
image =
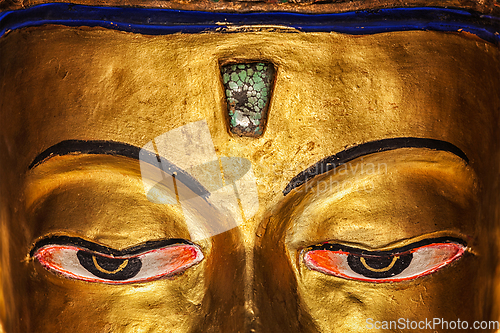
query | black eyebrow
[114, 148]
[69, 147]
[333, 161]
[94, 247]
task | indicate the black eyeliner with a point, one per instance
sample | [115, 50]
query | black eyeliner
[101, 249]
[399, 250]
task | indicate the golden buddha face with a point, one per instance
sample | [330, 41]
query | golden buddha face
[371, 194]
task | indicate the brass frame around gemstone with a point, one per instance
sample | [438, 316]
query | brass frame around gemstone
[248, 89]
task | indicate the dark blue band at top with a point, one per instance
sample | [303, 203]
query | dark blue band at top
[167, 21]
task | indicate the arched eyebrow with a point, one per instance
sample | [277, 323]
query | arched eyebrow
[77, 147]
[114, 148]
[333, 161]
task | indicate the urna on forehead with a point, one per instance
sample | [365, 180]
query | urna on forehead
[242, 166]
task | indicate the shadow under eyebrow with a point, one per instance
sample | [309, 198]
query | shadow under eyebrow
[85, 244]
[333, 161]
[113, 148]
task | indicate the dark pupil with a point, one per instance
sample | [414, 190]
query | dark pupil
[380, 266]
[109, 268]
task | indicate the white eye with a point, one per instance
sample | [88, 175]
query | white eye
[407, 263]
[84, 264]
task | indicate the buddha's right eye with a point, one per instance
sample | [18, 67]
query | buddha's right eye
[90, 262]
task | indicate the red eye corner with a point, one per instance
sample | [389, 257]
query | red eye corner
[382, 266]
[82, 264]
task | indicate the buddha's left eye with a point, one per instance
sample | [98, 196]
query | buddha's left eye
[83, 260]
[405, 263]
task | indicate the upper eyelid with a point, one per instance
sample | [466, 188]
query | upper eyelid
[397, 250]
[91, 246]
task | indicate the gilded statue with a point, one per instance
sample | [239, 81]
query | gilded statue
[242, 166]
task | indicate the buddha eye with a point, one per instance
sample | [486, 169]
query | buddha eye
[83, 260]
[405, 263]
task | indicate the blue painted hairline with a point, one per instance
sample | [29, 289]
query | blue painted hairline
[156, 21]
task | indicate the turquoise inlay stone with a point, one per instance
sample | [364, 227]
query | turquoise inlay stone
[248, 89]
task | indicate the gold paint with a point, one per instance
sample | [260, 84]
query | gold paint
[332, 91]
[378, 218]
[377, 211]
[385, 269]
[257, 28]
[120, 268]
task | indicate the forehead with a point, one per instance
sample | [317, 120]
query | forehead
[332, 91]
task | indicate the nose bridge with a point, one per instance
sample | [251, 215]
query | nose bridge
[270, 303]
[251, 309]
